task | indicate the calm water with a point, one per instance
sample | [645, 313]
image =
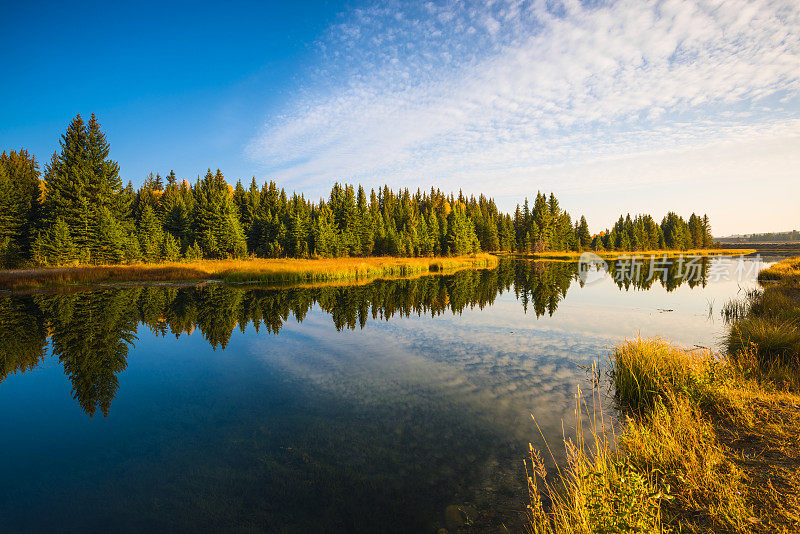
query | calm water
[368, 408]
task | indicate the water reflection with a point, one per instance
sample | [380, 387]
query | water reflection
[355, 409]
[91, 331]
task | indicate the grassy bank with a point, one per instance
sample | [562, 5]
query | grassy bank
[241, 271]
[570, 255]
[711, 441]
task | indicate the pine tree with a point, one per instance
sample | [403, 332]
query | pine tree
[363, 224]
[324, 233]
[708, 239]
[216, 223]
[80, 180]
[54, 245]
[67, 177]
[110, 238]
[22, 171]
[10, 221]
[170, 250]
[150, 235]
[583, 236]
[104, 184]
[194, 252]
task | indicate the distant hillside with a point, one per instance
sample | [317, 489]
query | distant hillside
[792, 236]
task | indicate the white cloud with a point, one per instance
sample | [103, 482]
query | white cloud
[464, 94]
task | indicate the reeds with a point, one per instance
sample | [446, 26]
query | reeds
[647, 372]
[738, 308]
[675, 467]
[766, 334]
[773, 342]
[787, 270]
[242, 271]
[598, 491]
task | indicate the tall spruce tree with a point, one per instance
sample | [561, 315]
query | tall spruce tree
[79, 181]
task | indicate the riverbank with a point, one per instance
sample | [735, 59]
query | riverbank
[711, 442]
[242, 271]
[571, 255]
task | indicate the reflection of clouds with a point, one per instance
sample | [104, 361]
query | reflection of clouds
[493, 366]
[494, 380]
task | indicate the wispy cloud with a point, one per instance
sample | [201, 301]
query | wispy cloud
[459, 93]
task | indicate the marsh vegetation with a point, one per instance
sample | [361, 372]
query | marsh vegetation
[710, 441]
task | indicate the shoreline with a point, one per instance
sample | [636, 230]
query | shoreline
[606, 254]
[281, 271]
[273, 271]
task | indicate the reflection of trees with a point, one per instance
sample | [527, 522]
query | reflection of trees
[91, 331]
[543, 284]
[23, 337]
[642, 273]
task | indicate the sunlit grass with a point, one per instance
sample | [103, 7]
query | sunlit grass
[598, 490]
[647, 372]
[773, 341]
[240, 271]
[710, 444]
[787, 271]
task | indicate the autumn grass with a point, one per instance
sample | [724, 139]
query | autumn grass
[786, 271]
[242, 271]
[711, 441]
[707, 447]
[598, 490]
[571, 255]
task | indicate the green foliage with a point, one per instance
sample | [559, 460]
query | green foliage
[461, 238]
[582, 235]
[110, 238]
[170, 250]
[19, 206]
[194, 252]
[216, 220]
[81, 182]
[54, 245]
[9, 220]
[151, 235]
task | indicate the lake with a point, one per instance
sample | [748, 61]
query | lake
[364, 408]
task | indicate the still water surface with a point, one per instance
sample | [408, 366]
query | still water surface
[368, 408]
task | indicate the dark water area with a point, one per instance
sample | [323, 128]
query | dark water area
[362, 408]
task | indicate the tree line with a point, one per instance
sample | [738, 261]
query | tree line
[792, 236]
[78, 210]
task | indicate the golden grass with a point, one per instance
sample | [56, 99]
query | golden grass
[571, 255]
[711, 444]
[597, 491]
[240, 271]
[786, 271]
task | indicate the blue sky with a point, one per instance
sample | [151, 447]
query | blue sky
[615, 106]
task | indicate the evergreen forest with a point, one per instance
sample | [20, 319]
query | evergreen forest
[76, 209]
